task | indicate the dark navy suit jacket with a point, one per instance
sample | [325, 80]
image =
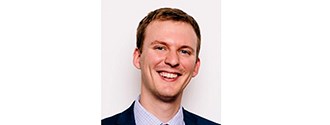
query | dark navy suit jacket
[127, 118]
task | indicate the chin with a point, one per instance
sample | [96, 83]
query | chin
[168, 98]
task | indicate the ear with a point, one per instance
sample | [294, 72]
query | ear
[136, 58]
[198, 62]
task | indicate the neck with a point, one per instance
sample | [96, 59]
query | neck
[164, 111]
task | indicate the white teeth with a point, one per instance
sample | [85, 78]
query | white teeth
[168, 75]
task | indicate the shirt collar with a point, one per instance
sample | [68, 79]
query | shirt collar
[143, 117]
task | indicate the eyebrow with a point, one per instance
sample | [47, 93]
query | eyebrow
[158, 42]
[164, 43]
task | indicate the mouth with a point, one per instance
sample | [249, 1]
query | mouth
[169, 76]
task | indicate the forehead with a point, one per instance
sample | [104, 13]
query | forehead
[171, 32]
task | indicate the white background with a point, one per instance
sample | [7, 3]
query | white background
[121, 80]
[274, 62]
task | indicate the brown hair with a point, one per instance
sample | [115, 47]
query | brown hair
[164, 14]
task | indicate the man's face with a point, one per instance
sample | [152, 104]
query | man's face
[168, 59]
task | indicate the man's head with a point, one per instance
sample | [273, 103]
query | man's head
[168, 42]
[166, 14]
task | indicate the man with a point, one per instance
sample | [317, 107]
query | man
[168, 44]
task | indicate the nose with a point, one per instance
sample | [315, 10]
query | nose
[172, 59]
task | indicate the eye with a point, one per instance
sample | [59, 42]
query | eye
[159, 48]
[186, 52]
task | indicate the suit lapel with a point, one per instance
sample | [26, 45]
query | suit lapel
[188, 118]
[127, 117]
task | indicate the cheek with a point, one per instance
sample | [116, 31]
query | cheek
[188, 64]
[151, 58]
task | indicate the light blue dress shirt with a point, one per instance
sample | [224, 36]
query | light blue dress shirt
[143, 117]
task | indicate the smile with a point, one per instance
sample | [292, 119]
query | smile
[169, 75]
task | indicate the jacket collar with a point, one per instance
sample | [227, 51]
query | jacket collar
[188, 118]
[127, 117]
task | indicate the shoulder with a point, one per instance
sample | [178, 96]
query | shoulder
[124, 118]
[111, 120]
[195, 119]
